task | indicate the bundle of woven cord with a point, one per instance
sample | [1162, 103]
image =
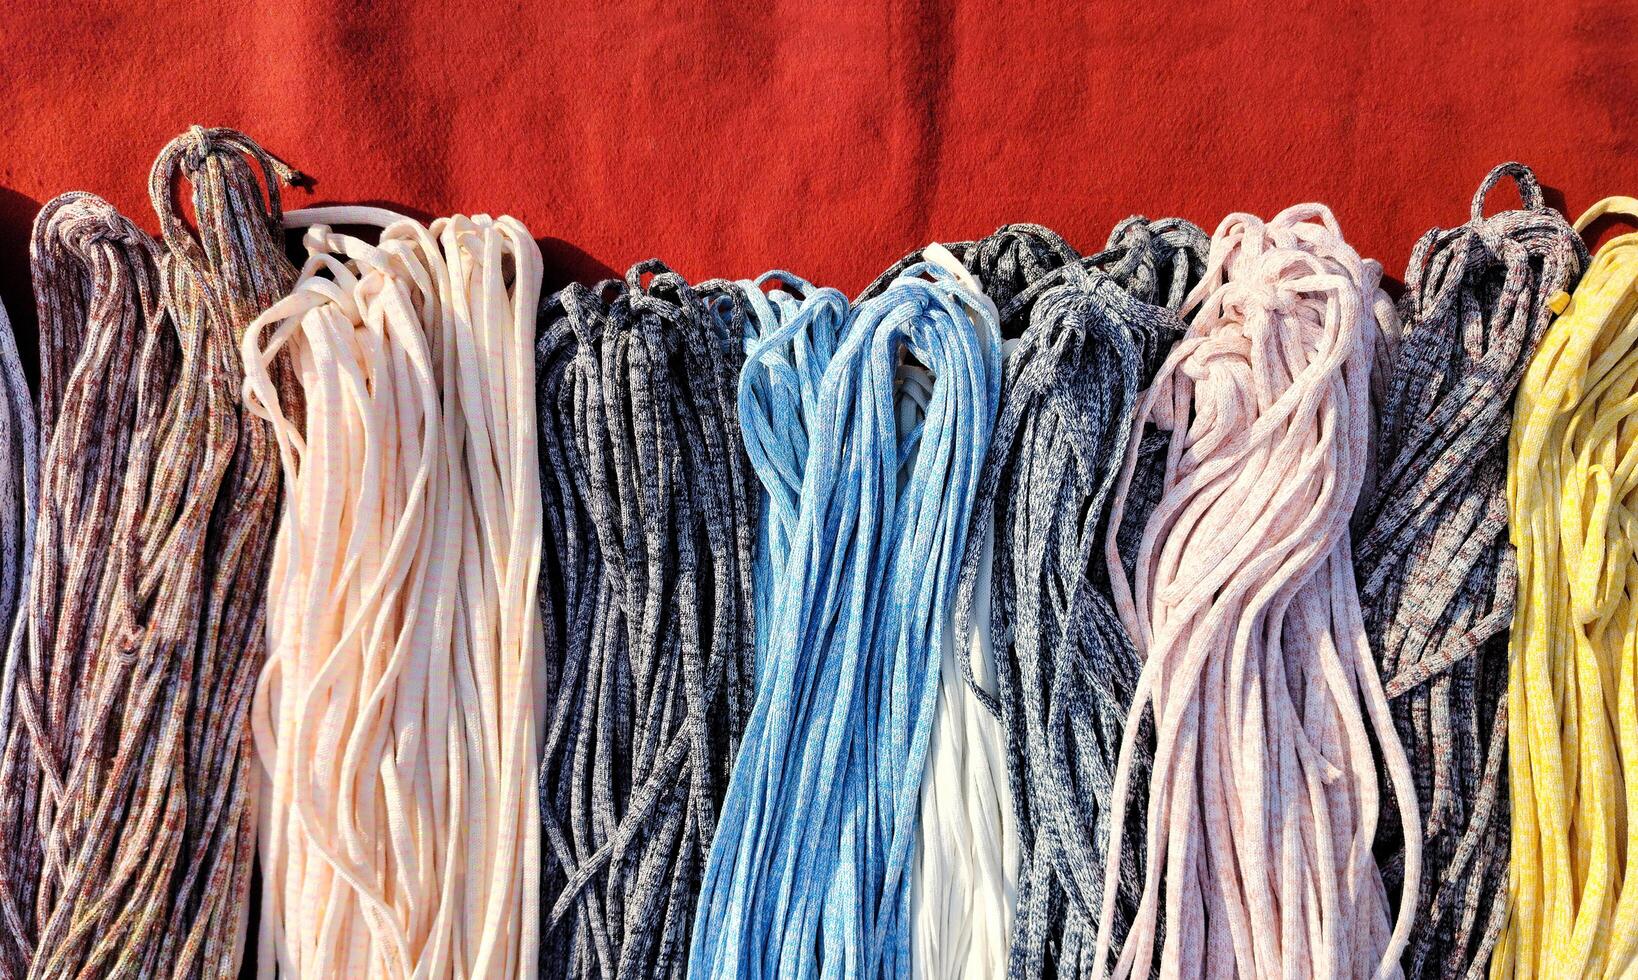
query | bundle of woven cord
[1572, 691]
[396, 719]
[810, 871]
[1431, 555]
[1264, 793]
[1092, 333]
[144, 633]
[792, 329]
[108, 360]
[19, 486]
[217, 276]
[982, 853]
[650, 508]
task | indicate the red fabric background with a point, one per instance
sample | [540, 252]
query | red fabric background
[827, 138]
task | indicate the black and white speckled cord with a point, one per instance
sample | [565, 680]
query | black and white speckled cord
[1436, 572]
[650, 512]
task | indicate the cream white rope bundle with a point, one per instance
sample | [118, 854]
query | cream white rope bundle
[1264, 793]
[397, 717]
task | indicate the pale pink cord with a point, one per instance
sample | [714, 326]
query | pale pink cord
[1264, 795]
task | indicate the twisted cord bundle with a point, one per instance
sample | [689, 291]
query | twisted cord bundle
[1572, 692]
[1264, 793]
[396, 719]
[1435, 570]
[810, 871]
[216, 278]
[129, 814]
[1091, 336]
[19, 490]
[650, 514]
[96, 279]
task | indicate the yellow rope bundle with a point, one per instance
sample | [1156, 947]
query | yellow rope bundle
[1573, 685]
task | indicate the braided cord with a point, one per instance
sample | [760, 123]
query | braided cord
[650, 512]
[216, 280]
[810, 873]
[97, 288]
[1435, 570]
[1572, 696]
[1264, 792]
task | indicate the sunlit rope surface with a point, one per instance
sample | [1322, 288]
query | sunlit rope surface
[1093, 334]
[103, 337]
[397, 718]
[1572, 696]
[650, 509]
[1264, 794]
[809, 874]
[1435, 570]
[129, 813]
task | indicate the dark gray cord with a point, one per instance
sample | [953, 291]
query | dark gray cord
[650, 511]
[1091, 332]
[1435, 569]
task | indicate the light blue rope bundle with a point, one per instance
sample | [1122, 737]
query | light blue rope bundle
[792, 331]
[808, 872]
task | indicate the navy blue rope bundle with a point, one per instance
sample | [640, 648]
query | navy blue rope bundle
[649, 517]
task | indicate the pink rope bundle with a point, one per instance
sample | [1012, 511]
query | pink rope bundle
[1264, 794]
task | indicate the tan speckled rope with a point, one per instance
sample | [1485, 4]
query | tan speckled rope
[127, 825]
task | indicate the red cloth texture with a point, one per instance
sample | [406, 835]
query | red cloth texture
[827, 138]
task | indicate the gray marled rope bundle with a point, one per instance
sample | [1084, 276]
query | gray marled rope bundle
[1091, 331]
[1093, 336]
[650, 509]
[1436, 572]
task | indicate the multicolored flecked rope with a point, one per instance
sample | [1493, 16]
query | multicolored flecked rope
[1436, 572]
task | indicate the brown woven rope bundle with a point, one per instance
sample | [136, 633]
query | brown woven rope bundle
[127, 818]
[19, 481]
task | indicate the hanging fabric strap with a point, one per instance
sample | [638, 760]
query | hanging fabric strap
[102, 335]
[1092, 336]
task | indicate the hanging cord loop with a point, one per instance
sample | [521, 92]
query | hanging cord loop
[1436, 573]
